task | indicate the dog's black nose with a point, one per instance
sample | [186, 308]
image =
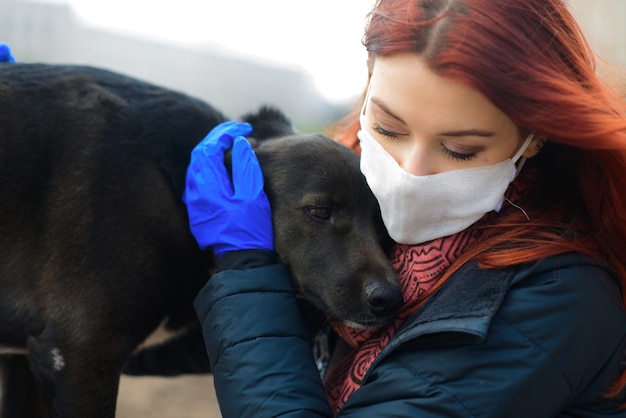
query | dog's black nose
[383, 300]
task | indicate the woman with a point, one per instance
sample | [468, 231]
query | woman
[498, 158]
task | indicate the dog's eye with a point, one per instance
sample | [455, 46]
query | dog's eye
[318, 213]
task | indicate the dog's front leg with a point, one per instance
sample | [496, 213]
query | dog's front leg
[76, 380]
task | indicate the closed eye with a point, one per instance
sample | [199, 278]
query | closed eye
[458, 155]
[318, 213]
[382, 131]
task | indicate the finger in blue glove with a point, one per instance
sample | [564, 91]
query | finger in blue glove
[247, 174]
[208, 164]
[222, 136]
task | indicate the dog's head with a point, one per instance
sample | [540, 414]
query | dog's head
[328, 230]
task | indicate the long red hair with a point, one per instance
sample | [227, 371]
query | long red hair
[531, 59]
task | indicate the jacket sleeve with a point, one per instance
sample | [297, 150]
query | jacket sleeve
[258, 345]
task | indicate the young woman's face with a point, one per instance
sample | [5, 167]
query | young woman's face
[431, 124]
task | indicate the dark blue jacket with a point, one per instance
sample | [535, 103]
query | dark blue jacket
[543, 340]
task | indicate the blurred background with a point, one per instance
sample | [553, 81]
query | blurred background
[304, 57]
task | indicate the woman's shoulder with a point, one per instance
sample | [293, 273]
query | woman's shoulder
[568, 296]
[569, 280]
[570, 308]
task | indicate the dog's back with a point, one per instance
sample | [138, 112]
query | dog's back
[92, 168]
[91, 176]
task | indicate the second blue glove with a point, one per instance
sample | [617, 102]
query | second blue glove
[224, 215]
[5, 53]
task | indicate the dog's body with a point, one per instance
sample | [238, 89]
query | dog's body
[95, 249]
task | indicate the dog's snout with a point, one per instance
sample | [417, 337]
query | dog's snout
[383, 300]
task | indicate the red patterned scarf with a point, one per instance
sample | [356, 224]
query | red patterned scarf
[419, 267]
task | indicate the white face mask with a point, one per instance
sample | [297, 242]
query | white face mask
[416, 209]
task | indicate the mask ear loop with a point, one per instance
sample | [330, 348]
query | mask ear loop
[517, 207]
[518, 154]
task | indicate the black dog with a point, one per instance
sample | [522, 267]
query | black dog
[95, 249]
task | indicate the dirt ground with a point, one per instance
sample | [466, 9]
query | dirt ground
[176, 397]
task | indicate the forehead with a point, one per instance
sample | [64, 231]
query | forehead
[406, 85]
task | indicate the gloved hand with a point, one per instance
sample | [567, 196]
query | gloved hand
[223, 215]
[5, 54]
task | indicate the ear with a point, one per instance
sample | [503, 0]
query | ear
[268, 122]
[536, 144]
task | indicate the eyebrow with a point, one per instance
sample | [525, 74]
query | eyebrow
[465, 132]
[469, 132]
[385, 109]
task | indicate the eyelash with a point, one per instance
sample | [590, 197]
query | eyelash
[457, 155]
[379, 130]
[454, 155]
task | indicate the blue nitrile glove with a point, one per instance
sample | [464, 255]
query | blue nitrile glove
[5, 53]
[223, 215]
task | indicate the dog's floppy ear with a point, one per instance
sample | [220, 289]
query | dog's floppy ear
[268, 122]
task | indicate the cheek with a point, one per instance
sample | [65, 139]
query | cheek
[499, 153]
[487, 160]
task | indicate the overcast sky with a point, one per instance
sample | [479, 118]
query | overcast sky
[322, 36]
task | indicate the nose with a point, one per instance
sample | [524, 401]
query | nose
[414, 159]
[383, 299]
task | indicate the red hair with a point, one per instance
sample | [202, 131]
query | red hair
[531, 59]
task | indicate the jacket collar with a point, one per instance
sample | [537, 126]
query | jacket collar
[463, 306]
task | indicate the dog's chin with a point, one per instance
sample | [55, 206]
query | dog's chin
[355, 325]
[368, 323]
